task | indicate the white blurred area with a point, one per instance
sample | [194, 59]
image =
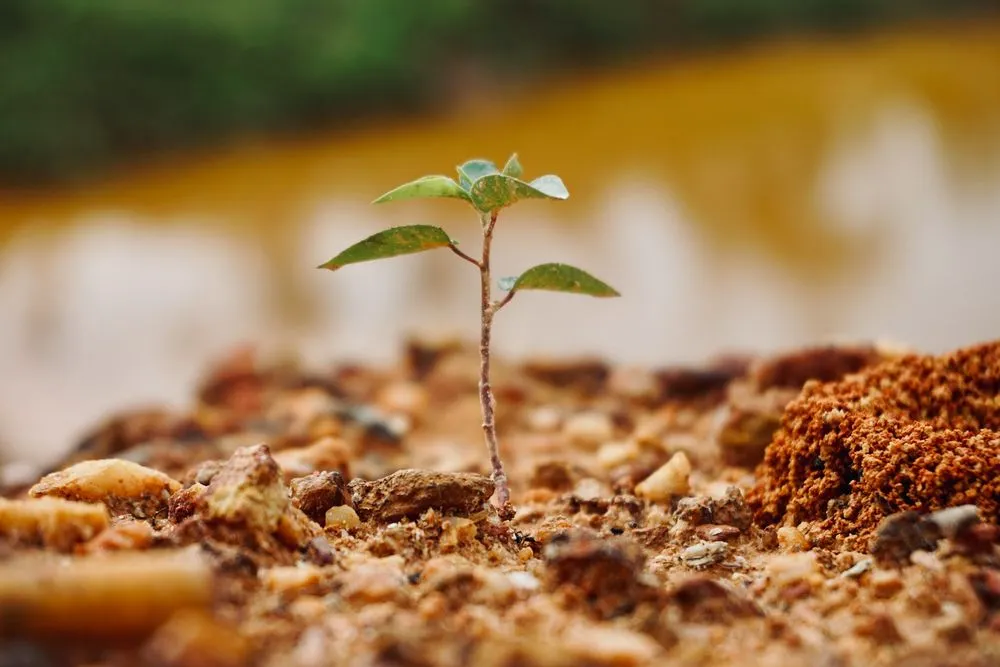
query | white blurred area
[115, 311]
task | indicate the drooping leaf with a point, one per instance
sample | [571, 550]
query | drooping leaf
[495, 191]
[425, 187]
[506, 283]
[473, 170]
[513, 167]
[390, 243]
[563, 278]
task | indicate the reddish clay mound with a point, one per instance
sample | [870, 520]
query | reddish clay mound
[919, 433]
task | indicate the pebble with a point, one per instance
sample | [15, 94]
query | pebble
[545, 419]
[613, 454]
[885, 583]
[316, 493]
[589, 429]
[670, 480]
[717, 533]
[405, 398]
[791, 539]
[524, 581]
[409, 493]
[704, 554]
[123, 486]
[342, 517]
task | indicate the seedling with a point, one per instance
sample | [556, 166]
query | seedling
[488, 190]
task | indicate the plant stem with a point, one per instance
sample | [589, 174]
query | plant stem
[486, 400]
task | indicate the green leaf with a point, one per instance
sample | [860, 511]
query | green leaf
[473, 170]
[563, 278]
[390, 243]
[496, 191]
[425, 187]
[513, 167]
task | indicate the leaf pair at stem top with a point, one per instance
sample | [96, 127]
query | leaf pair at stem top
[488, 190]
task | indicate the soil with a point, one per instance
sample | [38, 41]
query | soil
[831, 506]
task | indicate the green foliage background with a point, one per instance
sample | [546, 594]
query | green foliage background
[85, 83]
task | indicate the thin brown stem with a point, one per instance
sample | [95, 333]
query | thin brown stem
[497, 305]
[467, 258]
[486, 400]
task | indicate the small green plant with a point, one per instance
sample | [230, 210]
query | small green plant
[488, 190]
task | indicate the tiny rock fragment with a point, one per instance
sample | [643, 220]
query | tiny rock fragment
[953, 520]
[124, 536]
[341, 517]
[124, 487]
[53, 523]
[375, 581]
[857, 569]
[614, 454]
[456, 531]
[248, 490]
[791, 538]
[554, 475]
[606, 574]
[885, 584]
[704, 554]
[669, 481]
[717, 533]
[706, 600]
[108, 596]
[193, 638]
[880, 628]
[406, 398]
[900, 534]
[314, 494]
[589, 429]
[327, 453]
[409, 493]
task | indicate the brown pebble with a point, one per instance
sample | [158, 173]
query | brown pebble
[314, 494]
[409, 493]
[717, 532]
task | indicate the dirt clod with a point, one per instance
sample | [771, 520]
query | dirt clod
[409, 493]
[919, 433]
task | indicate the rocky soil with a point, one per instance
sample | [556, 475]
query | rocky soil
[832, 507]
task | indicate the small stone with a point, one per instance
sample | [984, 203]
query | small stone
[670, 480]
[194, 638]
[524, 581]
[954, 520]
[554, 475]
[635, 383]
[375, 581]
[717, 532]
[525, 554]
[704, 599]
[124, 487]
[791, 539]
[589, 429]
[704, 554]
[53, 523]
[885, 584]
[857, 569]
[327, 453]
[901, 534]
[880, 628]
[341, 517]
[613, 454]
[314, 494]
[545, 419]
[406, 398]
[409, 493]
[457, 531]
[605, 573]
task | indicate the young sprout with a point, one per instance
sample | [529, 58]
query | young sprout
[488, 190]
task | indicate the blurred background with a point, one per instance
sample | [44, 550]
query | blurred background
[750, 174]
